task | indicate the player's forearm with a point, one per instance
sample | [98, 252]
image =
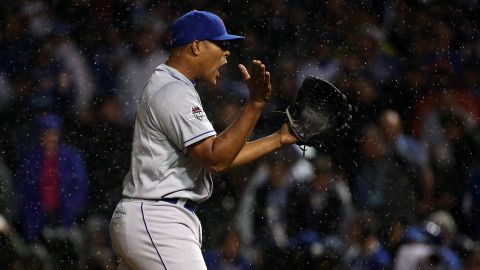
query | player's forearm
[228, 144]
[257, 149]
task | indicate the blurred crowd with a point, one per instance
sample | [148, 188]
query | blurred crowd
[399, 190]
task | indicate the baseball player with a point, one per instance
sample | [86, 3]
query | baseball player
[175, 148]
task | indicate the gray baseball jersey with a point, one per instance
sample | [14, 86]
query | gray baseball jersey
[147, 232]
[169, 118]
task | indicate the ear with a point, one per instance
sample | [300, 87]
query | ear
[195, 47]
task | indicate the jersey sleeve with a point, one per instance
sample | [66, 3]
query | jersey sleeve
[178, 112]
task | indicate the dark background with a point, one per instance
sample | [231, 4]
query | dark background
[87, 61]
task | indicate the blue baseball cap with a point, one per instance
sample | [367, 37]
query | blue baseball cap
[199, 25]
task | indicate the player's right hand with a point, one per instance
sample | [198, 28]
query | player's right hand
[258, 81]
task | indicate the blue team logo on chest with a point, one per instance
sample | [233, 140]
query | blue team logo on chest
[197, 113]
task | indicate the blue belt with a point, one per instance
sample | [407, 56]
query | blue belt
[188, 204]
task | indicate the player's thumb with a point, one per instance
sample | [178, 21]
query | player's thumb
[244, 71]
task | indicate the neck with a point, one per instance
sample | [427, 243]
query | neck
[183, 66]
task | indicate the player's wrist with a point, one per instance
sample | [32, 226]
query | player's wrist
[260, 96]
[278, 139]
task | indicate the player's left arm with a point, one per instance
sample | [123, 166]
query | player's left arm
[258, 148]
[251, 150]
[255, 149]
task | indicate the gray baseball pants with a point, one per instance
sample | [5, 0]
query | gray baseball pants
[156, 235]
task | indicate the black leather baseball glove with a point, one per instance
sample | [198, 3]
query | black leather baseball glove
[318, 113]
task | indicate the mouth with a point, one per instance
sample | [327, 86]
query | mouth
[217, 71]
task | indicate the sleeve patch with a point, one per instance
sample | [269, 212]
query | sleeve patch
[196, 113]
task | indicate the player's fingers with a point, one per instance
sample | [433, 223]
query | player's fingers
[267, 77]
[268, 86]
[260, 75]
[244, 71]
[255, 68]
[262, 71]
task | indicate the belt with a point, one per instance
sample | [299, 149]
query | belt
[188, 204]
